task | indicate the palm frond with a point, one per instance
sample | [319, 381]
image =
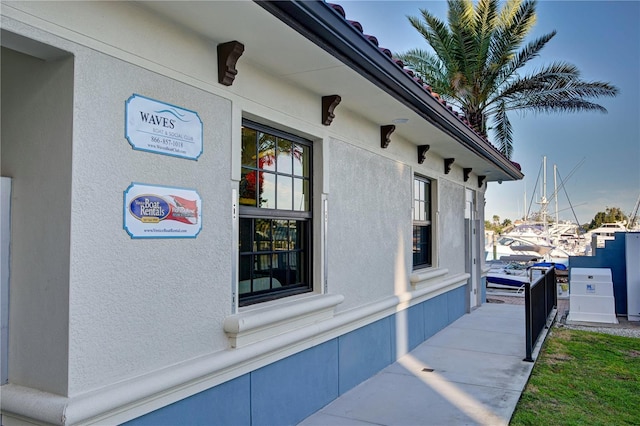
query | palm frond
[555, 105]
[508, 37]
[435, 33]
[461, 24]
[508, 13]
[475, 62]
[486, 16]
[503, 131]
[530, 51]
[429, 67]
[558, 80]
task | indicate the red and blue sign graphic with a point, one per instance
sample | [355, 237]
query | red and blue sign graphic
[161, 212]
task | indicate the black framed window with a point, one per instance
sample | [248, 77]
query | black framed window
[422, 229]
[275, 214]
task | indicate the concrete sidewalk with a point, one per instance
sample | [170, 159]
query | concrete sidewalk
[471, 372]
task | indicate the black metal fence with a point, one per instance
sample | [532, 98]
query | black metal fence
[540, 298]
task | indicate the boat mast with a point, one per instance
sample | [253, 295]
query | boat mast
[543, 201]
[524, 216]
[555, 192]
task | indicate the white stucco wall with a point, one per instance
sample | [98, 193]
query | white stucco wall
[369, 217]
[451, 225]
[143, 304]
[36, 152]
[137, 306]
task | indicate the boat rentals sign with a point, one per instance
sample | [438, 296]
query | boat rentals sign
[161, 212]
[162, 128]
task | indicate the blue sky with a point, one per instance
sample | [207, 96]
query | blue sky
[601, 152]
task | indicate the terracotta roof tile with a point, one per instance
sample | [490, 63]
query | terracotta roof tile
[386, 52]
[357, 25]
[338, 9]
[372, 39]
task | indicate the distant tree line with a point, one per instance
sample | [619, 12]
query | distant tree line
[610, 214]
[497, 226]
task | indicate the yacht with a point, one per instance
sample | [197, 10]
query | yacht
[606, 231]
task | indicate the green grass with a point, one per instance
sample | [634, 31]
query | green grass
[583, 378]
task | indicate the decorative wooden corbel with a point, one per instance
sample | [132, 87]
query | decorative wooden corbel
[422, 153]
[385, 135]
[228, 55]
[466, 172]
[448, 162]
[481, 180]
[329, 103]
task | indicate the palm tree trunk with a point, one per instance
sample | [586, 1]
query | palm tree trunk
[478, 121]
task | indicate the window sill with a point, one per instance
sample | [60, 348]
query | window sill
[260, 322]
[425, 277]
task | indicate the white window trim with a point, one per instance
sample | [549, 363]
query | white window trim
[423, 278]
[266, 320]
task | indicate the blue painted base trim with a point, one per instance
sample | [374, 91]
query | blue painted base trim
[288, 391]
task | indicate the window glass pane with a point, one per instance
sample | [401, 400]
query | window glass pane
[281, 235]
[416, 189]
[248, 187]
[249, 148]
[427, 198]
[245, 235]
[296, 264]
[300, 194]
[285, 193]
[267, 187]
[285, 162]
[267, 152]
[245, 273]
[421, 213]
[263, 235]
[299, 235]
[426, 244]
[417, 246]
[262, 267]
[421, 245]
[300, 160]
[281, 270]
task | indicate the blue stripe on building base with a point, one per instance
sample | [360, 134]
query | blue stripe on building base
[289, 390]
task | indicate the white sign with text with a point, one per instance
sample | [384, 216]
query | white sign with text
[162, 128]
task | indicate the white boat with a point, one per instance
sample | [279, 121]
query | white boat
[507, 275]
[508, 245]
[554, 241]
[513, 272]
[606, 231]
[564, 238]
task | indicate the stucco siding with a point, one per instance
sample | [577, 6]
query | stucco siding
[143, 304]
[37, 106]
[370, 217]
[451, 238]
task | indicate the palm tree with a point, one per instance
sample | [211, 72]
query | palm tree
[475, 60]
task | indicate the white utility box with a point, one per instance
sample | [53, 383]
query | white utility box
[591, 296]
